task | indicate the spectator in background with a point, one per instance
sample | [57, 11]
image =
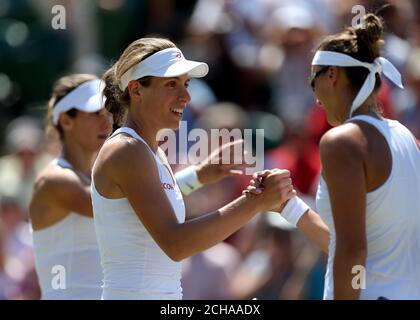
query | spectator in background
[410, 116]
[207, 275]
[220, 261]
[294, 29]
[23, 162]
[278, 265]
[17, 270]
[223, 115]
[6, 280]
[267, 264]
[18, 170]
[299, 152]
[397, 16]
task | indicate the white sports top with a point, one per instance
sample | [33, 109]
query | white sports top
[67, 257]
[392, 221]
[135, 267]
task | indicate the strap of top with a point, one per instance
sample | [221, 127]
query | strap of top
[379, 124]
[135, 135]
[363, 117]
[158, 159]
[63, 163]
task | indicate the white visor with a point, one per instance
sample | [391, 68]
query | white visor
[165, 63]
[380, 65]
[87, 97]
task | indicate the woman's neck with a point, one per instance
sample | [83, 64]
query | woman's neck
[369, 107]
[79, 159]
[144, 130]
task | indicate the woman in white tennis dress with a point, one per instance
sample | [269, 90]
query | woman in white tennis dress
[139, 212]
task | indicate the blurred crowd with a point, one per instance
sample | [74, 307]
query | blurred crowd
[259, 53]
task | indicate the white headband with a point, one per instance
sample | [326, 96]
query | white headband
[87, 97]
[380, 65]
[165, 63]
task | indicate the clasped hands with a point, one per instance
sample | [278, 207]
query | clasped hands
[274, 187]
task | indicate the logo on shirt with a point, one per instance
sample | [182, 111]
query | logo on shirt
[167, 186]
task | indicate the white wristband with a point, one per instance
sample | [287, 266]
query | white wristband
[294, 210]
[187, 180]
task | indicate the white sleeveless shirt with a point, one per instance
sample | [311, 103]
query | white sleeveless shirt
[135, 267]
[67, 258]
[392, 221]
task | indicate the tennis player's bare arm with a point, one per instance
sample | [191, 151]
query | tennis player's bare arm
[57, 192]
[126, 168]
[310, 223]
[315, 229]
[356, 160]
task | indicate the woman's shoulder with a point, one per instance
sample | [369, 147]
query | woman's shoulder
[54, 178]
[123, 147]
[53, 187]
[347, 135]
[122, 153]
[123, 164]
[344, 143]
[54, 194]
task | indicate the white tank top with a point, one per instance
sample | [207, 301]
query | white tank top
[135, 267]
[392, 221]
[67, 257]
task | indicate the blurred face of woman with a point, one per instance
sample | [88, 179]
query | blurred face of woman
[165, 100]
[90, 129]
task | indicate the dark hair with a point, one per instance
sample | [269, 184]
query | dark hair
[61, 88]
[362, 43]
[117, 101]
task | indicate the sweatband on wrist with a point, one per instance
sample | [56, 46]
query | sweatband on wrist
[294, 210]
[187, 180]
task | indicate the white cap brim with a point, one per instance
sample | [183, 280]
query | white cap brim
[194, 69]
[94, 103]
[87, 97]
[165, 63]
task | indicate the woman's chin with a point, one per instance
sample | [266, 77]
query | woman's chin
[332, 121]
[173, 126]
